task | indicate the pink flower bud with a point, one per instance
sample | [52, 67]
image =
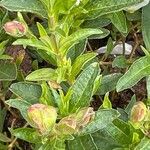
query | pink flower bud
[15, 28]
[67, 125]
[138, 112]
[42, 117]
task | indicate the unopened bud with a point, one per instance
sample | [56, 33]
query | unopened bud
[15, 28]
[67, 125]
[42, 117]
[138, 112]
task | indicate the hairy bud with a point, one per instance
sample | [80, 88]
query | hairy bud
[138, 112]
[42, 117]
[15, 28]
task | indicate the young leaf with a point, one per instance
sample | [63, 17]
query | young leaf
[27, 91]
[107, 103]
[139, 69]
[46, 97]
[41, 29]
[75, 37]
[80, 62]
[44, 74]
[34, 43]
[82, 89]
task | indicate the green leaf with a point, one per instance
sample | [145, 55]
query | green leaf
[28, 134]
[4, 138]
[82, 89]
[97, 8]
[5, 57]
[46, 97]
[27, 91]
[120, 131]
[8, 71]
[2, 46]
[108, 83]
[106, 103]
[119, 21]
[33, 6]
[80, 62]
[82, 143]
[96, 23]
[21, 105]
[130, 105]
[34, 43]
[139, 69]
[77, 36]
[103, 117]
[77, 50]
[55, 144]
[145, 26]
[120, 62]
[2, 118]
[41, 29]
[143, 145]
[44, 74]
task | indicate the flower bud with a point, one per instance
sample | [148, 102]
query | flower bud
[138, 112]
[84, 116]
[15, 28]
[42, 117]
[67, 125]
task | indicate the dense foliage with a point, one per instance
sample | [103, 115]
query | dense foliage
[49, 85]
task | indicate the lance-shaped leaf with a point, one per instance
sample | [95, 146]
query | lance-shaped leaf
[108, 83]
[82, 89]
[139, 69]
[77, 36]
[44, 74]
[97, 8]
[80, 62]
[119, 21]
[33, 6]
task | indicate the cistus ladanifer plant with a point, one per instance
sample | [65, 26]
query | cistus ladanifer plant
[56, 101]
